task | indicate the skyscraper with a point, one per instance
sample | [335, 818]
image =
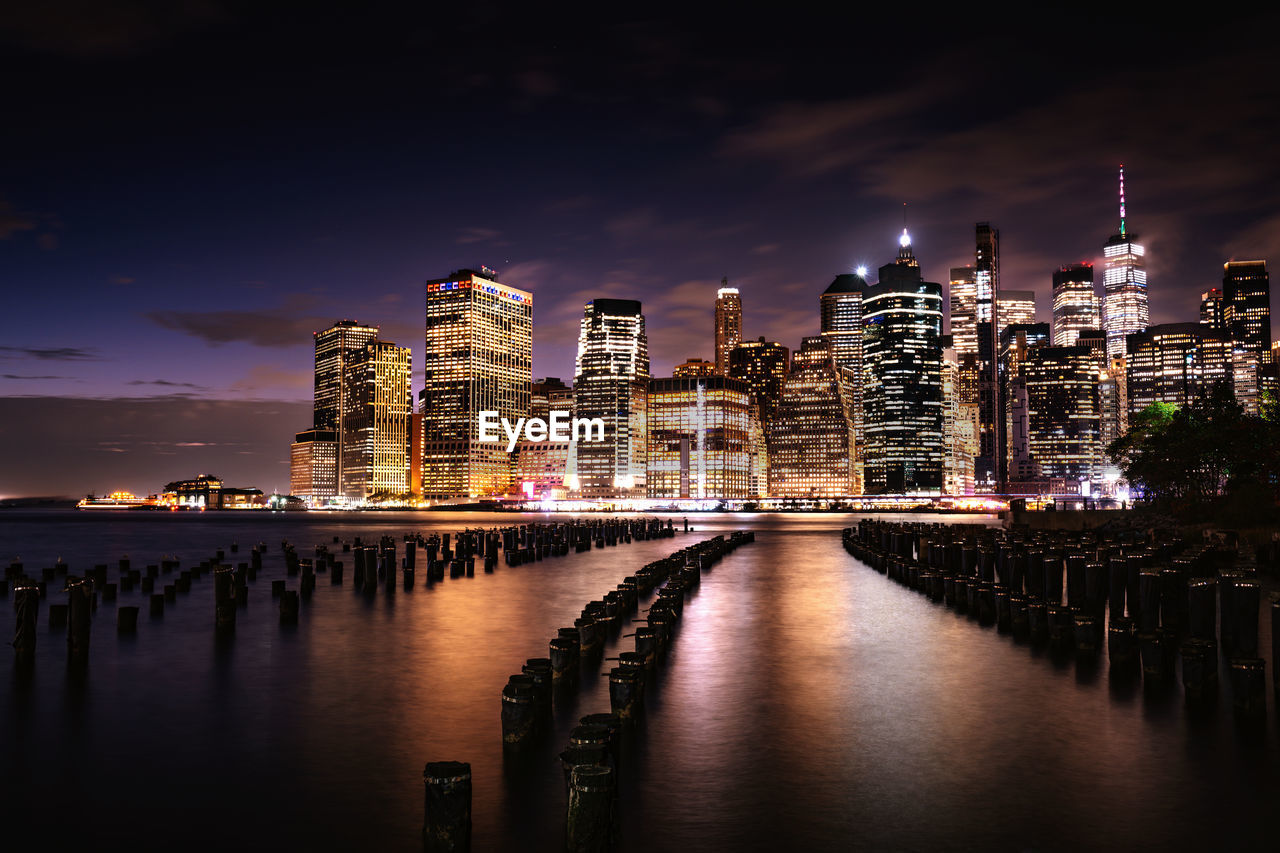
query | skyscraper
[841, 312]
[1017, 343]
[959, 430]
[313, 466]
[377, 403]
[335, 346]
[989, 466]
[611, 382]
[699, 438]
[1124, 284]
[810, 438]
[902, 399]
[1075, 304]
[728, 324]
[1015, 307]
[1211, 308]
[1246, 306]
[1064, 423]
[763, 365]
[478, 357]
[694, 367]
[964, 313]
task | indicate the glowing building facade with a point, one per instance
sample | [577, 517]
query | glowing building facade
[611, 382]
[902, 368]
[964, 313]
[811, 437]
[989, 468]
[1175, 363]
[313, 465]
[1075, 304]
[334, 349]
[1246, 315]
[1064, 424]
[694, 367]
[1211, 308]
[763, 365]
[1015, 307]
[1124, 285]
[728, 324]
[699, 438]
[478, 357]
[377, 403]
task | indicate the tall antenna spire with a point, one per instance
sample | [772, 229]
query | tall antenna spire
[1122, 199]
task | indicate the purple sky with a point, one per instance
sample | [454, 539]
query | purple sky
[188, 193]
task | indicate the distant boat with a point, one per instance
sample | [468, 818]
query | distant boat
[117, 500]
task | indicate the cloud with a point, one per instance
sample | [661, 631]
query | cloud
[49, 353]
[282, 327]
[765, 249]
[262, 377]
[166, 383]
[476, 234]
[16, 376]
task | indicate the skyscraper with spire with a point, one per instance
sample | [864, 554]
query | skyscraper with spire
[1124, 285]
[989, 469]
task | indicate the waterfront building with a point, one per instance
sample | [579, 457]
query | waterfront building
[695, 367]
[1175, 363]
[334, 348]
[989, 467]
[549, 395]
[902, 369]
[541, 469]
[763, 365]
[477, 357]
[207, 491]
[1124, 285]
[728, 324]
[1211, 308]
[810, 438]
[378, 402]
[699, 438]
[841, 316]
[313, 465]
[1075, 304]
[611, 383]
[1017, 342]
[959, 430]
[1064, 424]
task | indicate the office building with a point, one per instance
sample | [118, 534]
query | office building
[694, 367]
[1075, 304]
[1175, 363]
[989, 466]
[1211, 308]
[810, 438]
[1015, 307]
[964, 312]
[611, 383]
[1124, 285]
[1017, 342]
[313, 466]
[699, 438]
[902, 369]
[728, 324]
[1064, 425]
[763, 365]
[478, 357]
[334, 348]
[841, 315]
[1246, 308]
[377, 403]
[959, 430]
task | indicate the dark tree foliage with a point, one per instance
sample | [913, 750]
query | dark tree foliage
[1204, 453]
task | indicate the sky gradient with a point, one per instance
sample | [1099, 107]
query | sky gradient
[189, 190]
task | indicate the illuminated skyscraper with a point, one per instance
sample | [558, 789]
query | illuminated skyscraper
[1211, 308]
[611, 383]
[335, 346]
[763, 365]
[841, 311]
[989, 466]
[1246, 306]
[902, 363]
[478, 357]
[959, 430]
[1064, 423]
[1124, 285]
[728, 324]
[377, 403]
[1175, 363]
[1075, 304]
[810, 438]
[699, 438]
[313, 466]
[1015, 307]
[964, 313]
[1017, 343]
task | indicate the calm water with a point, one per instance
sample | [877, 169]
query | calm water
[807, 704]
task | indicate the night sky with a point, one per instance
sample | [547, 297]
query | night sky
[189, 190]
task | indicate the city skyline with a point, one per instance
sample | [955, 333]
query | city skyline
[201, 240]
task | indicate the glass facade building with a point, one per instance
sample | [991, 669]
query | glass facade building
[313, 465]
[1124, 285]
[728, 324]
[334, 349]
[1175, 363]
[377, 404]
[1075, 304]
[811, 439]
[699, 438]
[1065, 424]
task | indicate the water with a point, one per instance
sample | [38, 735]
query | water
[807, 703]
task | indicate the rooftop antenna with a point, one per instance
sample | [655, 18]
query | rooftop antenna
[1122, 199]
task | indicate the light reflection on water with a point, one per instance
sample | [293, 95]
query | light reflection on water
[807, 703]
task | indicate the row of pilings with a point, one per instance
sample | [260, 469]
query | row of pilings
[1148, 603]
[374, 565]
[590, 761]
